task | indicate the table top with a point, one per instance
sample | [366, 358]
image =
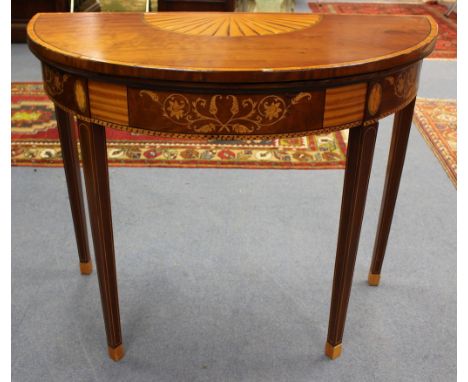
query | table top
[230, 47]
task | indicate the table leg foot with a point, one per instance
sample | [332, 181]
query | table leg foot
[373, 279]
[86, 268]
[117, 353]
[333, 352]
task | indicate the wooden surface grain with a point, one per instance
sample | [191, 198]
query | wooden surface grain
[248, 47]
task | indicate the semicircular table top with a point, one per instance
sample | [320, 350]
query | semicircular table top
[198, 46]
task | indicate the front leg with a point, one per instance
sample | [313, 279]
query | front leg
[396, 160]
[94, 153]
[71, 165]
[358, 167]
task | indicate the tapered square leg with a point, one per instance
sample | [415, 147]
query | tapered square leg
[358, 167]
[71, 165]
[94, 153]
[396, 160]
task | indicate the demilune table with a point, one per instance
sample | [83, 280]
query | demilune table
[230, 76]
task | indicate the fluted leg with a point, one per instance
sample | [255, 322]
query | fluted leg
[396, 159]
[71, 164]
[358, 167]
[94, 153]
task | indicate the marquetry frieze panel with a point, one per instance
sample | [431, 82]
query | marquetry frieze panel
[66, 89]
[225, 114]
[390, 92]
[229, 114]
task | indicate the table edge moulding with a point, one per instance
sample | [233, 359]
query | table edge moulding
[272, 75]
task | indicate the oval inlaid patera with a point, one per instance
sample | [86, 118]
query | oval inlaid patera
[80, 96]
[232, 24]
[375, 97]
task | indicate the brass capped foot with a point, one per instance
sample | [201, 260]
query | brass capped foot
[86, 268]
[373, 279]
[333, 352]
[117, 353]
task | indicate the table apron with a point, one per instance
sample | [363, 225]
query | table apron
[233, 113]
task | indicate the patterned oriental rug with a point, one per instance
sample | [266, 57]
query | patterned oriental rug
[446, 45]
[34, 142]
[436, 120]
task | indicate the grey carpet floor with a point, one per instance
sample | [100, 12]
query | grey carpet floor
[225, 275]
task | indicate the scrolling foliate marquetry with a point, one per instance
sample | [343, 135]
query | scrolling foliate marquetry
[404, 83]
[390, 92]
[227, 114]
[54, 81]
[66, 89]
[223, 114]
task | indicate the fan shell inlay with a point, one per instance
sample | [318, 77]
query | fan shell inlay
[231, 24]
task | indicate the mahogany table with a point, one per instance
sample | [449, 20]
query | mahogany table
[231, 76]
